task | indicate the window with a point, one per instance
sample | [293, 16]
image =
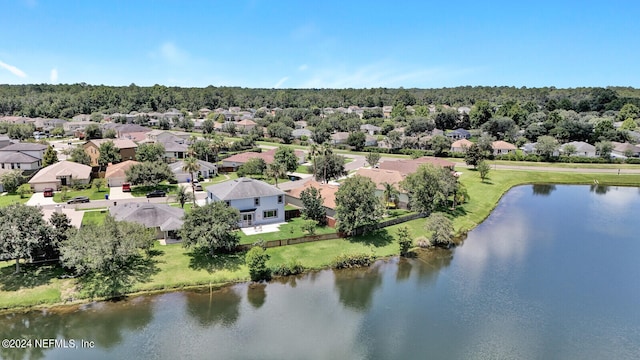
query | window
[228, 203]
[256, 201]
[269, 214]
[279, 199]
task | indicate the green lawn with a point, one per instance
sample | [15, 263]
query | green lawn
[8, 199]
[303, 169]
[220, 178]
[141, 191]
[34, 285]
[553, 164]
[94, 217]
[292, 229]
[92, 193]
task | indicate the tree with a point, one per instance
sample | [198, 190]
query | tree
[277, 171]
[12, 180]
[149, 173]
[628, 111]
[314, 151]
[502, 128]
[256, 260]
[217, 143]
[473, 155]
[330, 166]
[428, 188]
[441, 228]
[60, 224]
[309, 226]
[313, 205]
[390, 195]
[440, 145]
[356, 205]
[483, 169]
[22, 229]
[485, 143]
[212, 227]
[394, 138]
[150, 152]
[208, 126]
[357, 140]
[191, 166]
[547, 146]
[110, 134]
[287, 157]
[78, 155]
[109, 256]
[279, 130]
[629, 124]
[372, 158]
[109, 153]
[50, 157]
[604, 148]
[480, 113]
[59, 131]
[93, 131]
[98, 183]
[255, 166]
[182, 196]
[404, 240]
[569, 150]
[24, 190]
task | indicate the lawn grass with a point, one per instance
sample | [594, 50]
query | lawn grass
[562, 165]
[8, 199]
[92, 194]
[34, 285]
[94, 217]
[141, 190]
[220, 178]
[303, 169]
[292, 229]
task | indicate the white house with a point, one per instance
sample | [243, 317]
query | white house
[258, 202]
[461, 145]
[581, 149]
[207, 170]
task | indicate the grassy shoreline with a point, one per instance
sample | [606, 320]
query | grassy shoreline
[179, 269]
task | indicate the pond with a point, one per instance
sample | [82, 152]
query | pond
[553, 273]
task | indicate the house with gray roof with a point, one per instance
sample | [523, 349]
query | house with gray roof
[581, 149]
[165, 219]
[298, 133]
[23, 156]
[258, 202]
[370, 129]
[207, 170]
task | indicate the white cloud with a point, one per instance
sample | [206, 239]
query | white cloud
[12, 69]
[303, 67]
[53, 76]
[170, 52]
[280, 82]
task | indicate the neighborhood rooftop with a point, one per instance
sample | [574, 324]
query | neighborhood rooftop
[243, 188]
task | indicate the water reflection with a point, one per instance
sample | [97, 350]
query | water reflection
[221, 307]
[257, 295]
[355, 287]
[543, 189]
[404, 269]
[599, 189]
[429, 263]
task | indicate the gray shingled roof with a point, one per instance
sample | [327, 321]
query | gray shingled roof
[16, 157]
[149, 214]
[177, 166]
[24, 147]
[243, 188]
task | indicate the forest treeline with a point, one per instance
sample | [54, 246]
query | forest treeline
[65, 101]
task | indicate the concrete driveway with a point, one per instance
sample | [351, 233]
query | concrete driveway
[116, 193]
[38, 199]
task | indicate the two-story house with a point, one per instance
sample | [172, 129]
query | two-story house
[126, 147]
[258, 202]
[22, 156]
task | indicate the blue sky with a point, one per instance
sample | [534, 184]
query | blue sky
[321, 44]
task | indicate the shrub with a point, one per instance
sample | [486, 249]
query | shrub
[293, 267]
[345, 261]
[256, 260]
[24, 190]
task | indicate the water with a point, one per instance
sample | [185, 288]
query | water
[553, 273]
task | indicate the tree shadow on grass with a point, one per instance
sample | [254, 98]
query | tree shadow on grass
[377, 238]
[30, 276]
[201, 259]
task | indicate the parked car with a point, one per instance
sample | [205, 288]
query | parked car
[156, 193]
[197, 186]
[48, 192]
[78, 200]
[126, 187]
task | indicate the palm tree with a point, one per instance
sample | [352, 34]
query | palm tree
[276, 170]
[216, 144]
[182, 196]
[325, 151]
[191, 166]
[390, 194]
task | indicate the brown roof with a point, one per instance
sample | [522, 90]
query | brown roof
[381, 176]
[328, 192]
[462, 143]
[119, 143]
[406, 167]
[118, 170]
[267, 156]
[135, 136]
[502, 145]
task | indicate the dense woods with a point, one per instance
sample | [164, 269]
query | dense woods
[66, 101]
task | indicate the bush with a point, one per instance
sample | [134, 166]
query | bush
[293, 267]
[24, 190]
[256, 260]
[345, 261]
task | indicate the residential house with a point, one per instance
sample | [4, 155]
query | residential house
[409, 166]
[327, 191]
[339, 138]
[380, 177]
[581, 149]
[370, 129]
[165, 219]
[4, 141]
[116, 173]
[73, 127]
[386, 111]
[174, 151]
[165, 135]
[461, 145]
[127, 149]
[624, 150]
[258, 202]
[458, 134]
[502, 147]
[246, 125]
[62, 173]
[235, 161]
[298, 133]
[530, 148]
[370, 140]
[301, 124]
[207, 170]
[23, 156]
